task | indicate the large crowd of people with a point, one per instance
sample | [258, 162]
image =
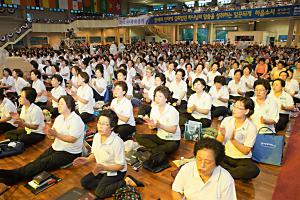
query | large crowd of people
[244, 89]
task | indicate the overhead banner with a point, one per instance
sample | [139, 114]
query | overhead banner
[282, 11]
[134, 21]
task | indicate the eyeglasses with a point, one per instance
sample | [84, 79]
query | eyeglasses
[260, 91]
[103, 124]
[239, 108]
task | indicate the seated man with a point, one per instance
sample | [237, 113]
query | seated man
[164, 118]
[238, 133]
[204, 177]
[68, 130]
[108, 154]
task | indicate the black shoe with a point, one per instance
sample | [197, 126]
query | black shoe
[138, 183]
[139, 120]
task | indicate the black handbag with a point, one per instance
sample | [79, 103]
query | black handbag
[8, 148]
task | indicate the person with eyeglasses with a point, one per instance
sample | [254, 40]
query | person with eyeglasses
[238, 134]
[266, 113]
[204, 178]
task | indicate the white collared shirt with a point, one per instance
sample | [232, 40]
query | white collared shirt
[202, 102]
[178, 89]
[234, 87]
[100, 83]
[211, 77]
[9, 81]
[124, 107]
[20, 83]
[66, 71]
[71, 126]
[285, 99]
[33, 115]
[269, 110]
[169, 117]
[86, 93]
[223, 93]
[148, 82]
[39, 87]
[57, 93]
[171, 76]
[245, 135]
[202, 75]
[6, 107]
[250, 81]
[110, 152]
[220, 186]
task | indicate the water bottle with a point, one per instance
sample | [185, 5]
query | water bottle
[288, 130]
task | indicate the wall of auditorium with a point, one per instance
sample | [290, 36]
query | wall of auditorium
[277, 27]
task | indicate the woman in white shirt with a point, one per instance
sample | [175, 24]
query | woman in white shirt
[6, 108]
[266, 112]
[68, 131]
[238, 134]
[199, 73]
[108, 154]
[212, 74]
[248, 79]
[291, 84]
[20, 83]
[170, 74]
[236, 87]
[164, 118]
[199, 104]
[84, 97]
[56, 92]
[204, 178]
[220, 97]
[124, 110]
[148, 80]
[7, 80]
[30, 122]
[39, 86]
[99, 84]
[284, 101]
[74, 80]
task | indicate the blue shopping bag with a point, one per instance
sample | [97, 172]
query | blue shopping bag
[268, 148]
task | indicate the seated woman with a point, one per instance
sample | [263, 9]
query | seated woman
[121, 76]
[39, 86]
[236, 87]
[266, 113]
[220, 96]
[204, 177]
[124, 110]
[248, 79]
[179, 89]
[7, 81]
[212, 74]
[285, 103]
[84, 97]
[73, 83]
[108, 153]
[20, 83]
[291, 84]
[148, 80]
[6, 107]
[238, 134]
[30, 122]
[164, 118]
[55, 94]
[68, 130]
[145, 108]
[199, 104]
[99, 84]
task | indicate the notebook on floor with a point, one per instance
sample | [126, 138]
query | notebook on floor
[77, 194]
[35, 189]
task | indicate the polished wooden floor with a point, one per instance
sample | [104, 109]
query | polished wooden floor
[157, 186]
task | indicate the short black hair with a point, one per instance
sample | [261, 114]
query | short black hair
[8, 71]
[34, 64]
[85, 76]
[2, 95]
[162, 77]
[282, 82]
[58, 78]
[164, 90]
[123, 85]
[122, 71]
[37, 73]
[19, 72]
[238, 71]
[100, 68]
[212, 144]
[30, 94]
[111, 115]
[201, 80]
[285, 72]
[69, 102]
[182, 72]
[248, 104]
[220, 79]
[247, 67]
[264, 83]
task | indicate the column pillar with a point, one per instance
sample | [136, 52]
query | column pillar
[211, 33]
[102, 36]
[195, 33]
[290, 32]
[173, 34]
[177, 32]
[117, 36]
[297, 35]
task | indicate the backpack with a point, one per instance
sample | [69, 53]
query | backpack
[127, 193]
[8, 148]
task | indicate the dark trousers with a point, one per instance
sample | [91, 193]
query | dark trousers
[144, 109]
[154, 144]
[204, 121]
[86, 117]
[104, 186]
[282, 122]
[243, 168]
[97, 96]
[4, 127]
[296, 100]
[47, 161]
[182, 107]
[41, 104]
[22, 136]
[249, 94]
[125, 131]
[218, 111]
